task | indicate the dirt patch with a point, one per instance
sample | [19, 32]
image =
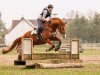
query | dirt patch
[87, 59]
[7, 59]
[93, 59]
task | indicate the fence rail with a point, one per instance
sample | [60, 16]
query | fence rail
[90, 45]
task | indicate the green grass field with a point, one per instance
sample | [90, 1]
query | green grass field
[88, 69]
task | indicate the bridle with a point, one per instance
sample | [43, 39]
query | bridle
[48, 30]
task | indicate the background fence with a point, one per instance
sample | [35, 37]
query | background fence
[90, 46]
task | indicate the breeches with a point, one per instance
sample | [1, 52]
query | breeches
[40, 24]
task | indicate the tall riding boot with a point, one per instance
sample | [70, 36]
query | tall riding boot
[38, 34]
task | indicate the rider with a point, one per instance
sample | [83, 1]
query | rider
[42, 18]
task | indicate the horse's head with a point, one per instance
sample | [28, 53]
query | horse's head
[58, 23]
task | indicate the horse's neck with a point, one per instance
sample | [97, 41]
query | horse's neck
[50, 27]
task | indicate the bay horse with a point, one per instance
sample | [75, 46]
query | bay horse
[47, 34]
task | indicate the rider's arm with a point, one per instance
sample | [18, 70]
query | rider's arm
[50, 17]
[44, 15]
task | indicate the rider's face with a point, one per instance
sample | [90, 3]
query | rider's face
[50, 9]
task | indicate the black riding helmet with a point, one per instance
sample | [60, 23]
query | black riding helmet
[50, 6]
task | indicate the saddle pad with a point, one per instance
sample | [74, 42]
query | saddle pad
[33, 32]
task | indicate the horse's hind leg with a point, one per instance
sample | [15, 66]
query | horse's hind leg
[50, 43]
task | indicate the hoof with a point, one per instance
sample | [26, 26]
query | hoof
[47, 50]
[56, 49]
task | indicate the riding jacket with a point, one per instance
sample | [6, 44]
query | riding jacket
[45, 14]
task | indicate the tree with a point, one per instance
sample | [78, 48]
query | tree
[96, 27]
[2, 27]
[78, 27]
[88, 29]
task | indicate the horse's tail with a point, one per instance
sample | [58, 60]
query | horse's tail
[17, 42]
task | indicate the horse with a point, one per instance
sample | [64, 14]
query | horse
[48, 34]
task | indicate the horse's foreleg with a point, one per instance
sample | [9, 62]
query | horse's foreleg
[58, 46]
[50, 43]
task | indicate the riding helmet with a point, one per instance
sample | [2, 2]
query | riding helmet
[50, 6]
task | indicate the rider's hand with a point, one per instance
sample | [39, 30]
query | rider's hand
[44, 21]
[49, 21]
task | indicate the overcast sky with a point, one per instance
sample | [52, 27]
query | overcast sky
[30, 9]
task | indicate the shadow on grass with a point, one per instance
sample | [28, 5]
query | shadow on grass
[29, 67]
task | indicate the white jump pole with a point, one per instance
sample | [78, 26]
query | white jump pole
[74, 47]
[27, 45]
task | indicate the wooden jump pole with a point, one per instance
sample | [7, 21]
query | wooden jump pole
[25, 51]
[27, 44]
[74, 48]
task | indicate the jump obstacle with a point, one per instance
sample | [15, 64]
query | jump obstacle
[49, 60]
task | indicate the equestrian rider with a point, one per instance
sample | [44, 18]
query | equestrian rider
[43, 16]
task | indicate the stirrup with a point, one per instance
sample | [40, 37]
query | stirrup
[38, 36]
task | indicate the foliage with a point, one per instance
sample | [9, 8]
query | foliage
[86, 29]
[2, 27]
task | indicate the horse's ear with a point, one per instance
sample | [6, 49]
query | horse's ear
[65, 22]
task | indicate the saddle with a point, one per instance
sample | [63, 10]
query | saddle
[39, 35]
[33, 32]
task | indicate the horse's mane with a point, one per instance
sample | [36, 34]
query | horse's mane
[54, 21]
[60, 20]
[55, 18]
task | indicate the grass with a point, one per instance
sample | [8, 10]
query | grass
[89, 69]
[91, 52]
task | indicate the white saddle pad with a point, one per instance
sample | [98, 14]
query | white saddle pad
[33, 32]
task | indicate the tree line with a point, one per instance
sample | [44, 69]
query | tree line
[87, 29]
[3, 29]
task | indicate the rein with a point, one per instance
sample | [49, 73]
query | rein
[49, 30]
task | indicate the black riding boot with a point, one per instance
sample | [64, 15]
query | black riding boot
[39, 34]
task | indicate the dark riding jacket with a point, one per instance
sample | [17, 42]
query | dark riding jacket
[45, 14]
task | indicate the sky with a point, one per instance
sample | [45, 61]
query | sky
[30, 9]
